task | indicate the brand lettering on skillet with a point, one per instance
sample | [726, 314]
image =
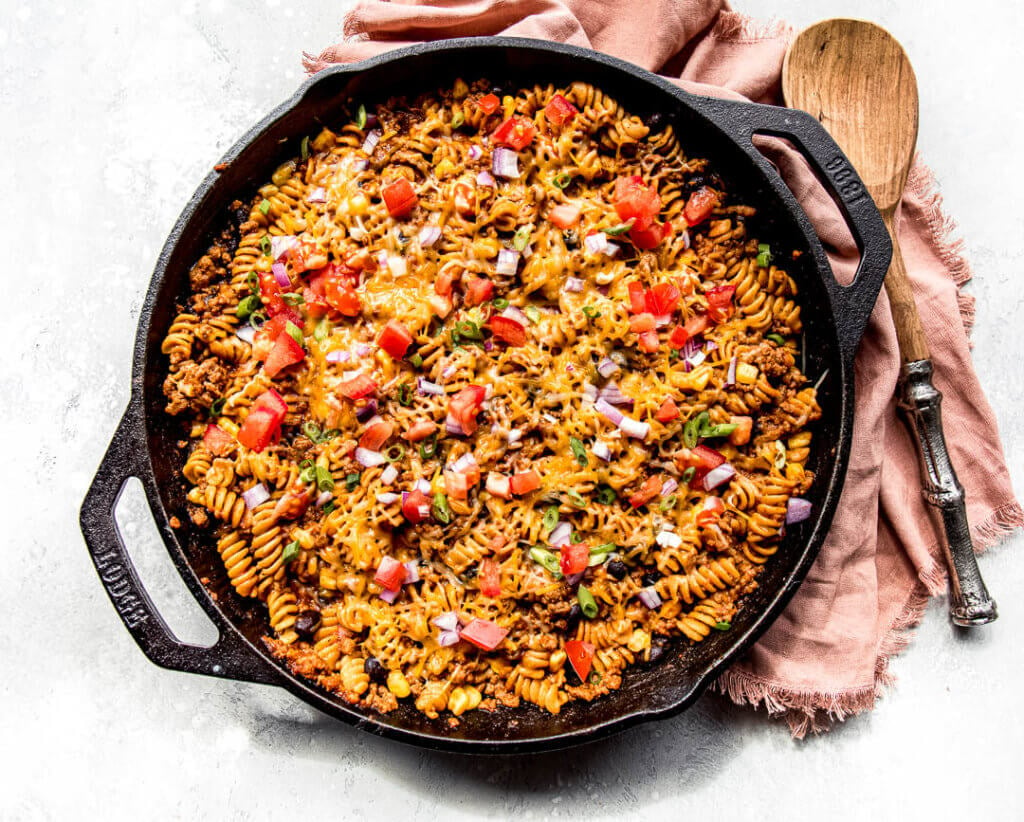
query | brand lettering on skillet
[845, 180]
[115, 577]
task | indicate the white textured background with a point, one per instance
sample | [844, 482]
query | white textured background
[110, 114]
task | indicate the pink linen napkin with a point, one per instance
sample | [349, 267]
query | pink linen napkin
[826, 657]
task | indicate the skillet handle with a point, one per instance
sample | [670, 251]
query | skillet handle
[852, 304]
[229, 656]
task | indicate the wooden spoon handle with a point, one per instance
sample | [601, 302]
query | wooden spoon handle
[909, 333]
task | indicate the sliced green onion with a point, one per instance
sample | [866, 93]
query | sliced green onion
[306, 464]
[723, 626]
[616, 230]
[673, 354]
[500, 303]
[458, 118]
[265, 207]
[247, 306]
[442, 513]
[324, 480]
[304, 148]
[308, 474]
[257, 319]
[547, 560]
[688, 475]
[576, 499]
[217, 406]
[600, 554]
[723, 430]
[329, 507]
[587, 602]
[776, 338]
[311, 430]
[323, 328]
[521, 238]
[252, 279]
[590, 312]
[290, 552]
[428, 449]
[395, 452]
[361, 116]
[690, 433]
[469, 330]
[352, 482]
[576, 538]
[579, 451]
[780, 455]
[416, 361]
[606, 495]
[701, 422]
[533, 313]
[404, 395]
[550, 519]
[561, 181]
[668, 503]
[294, 332]
[293, 298]
[265, 244]
[764, 255]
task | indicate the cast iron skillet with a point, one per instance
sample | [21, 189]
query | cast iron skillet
[144, 445]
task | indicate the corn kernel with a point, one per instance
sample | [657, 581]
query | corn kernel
[263, 263]
[639, 640]
[398, 685]
[358, 204]
[444, 168]
[486, 248]
[282, 173]
[794, 471]
[699, 377]
[509, 104]
[324, 140]
[746, 373]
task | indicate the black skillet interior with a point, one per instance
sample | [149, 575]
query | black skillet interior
[675, 681]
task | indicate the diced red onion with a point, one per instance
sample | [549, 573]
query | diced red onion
[716, 476]
[370, 143]
[368, 459]
[573, 285]
[498, 484]
[596, 243]
[425, 386]
[602, 451]
[691, 347]
[338, 355]
[696, 359]
[514, 435]
[398, 266]
[387, 498]
[607, 367]
[382, 259]
[359, 166]
[590, 391]
[649, 597]
[280, 274]
[505, 163]
[246, 334]
[390, 596]
[609, 411]
[257, 495]
[661, 320]
[710, 346]
[686, 238]
[372, 421]
[371, 120]
[324, 498]
[508, 262]
[448, 638]
[429, 235]
[475, 152]
[423, 486]
[576, 579]
[363, 350]
[514, 313]
[463, 463]
[364, 412]
[668, 486]
[452, 426]
[389, 475]
[560, 535]
[281, 245]
[488, 345]
[317, 195]
[486, 179]
[634, 428]
[527, 251]
[448, 372]
[448, 621]
[611, 250]
[666, 539]
[613, 394]
[730, 377]
[797, 510]
[412, 572]
[549, 418]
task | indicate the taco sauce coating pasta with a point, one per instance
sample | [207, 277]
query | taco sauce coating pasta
[489, 396]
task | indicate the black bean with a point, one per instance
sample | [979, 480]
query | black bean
[572, 238]
[572, 619]
[617, 568]
[650, 578]
[306, 623]
[377, 672]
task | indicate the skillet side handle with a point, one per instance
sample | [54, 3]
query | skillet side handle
[229, 657]
[854, 303]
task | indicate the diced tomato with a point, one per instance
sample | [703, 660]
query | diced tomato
[559, 111]
[218, 441]
[700, 205]
[314, 303]
[581, 656]
[641, 323]
[286, 351]
[744, 426]
[697, 324]
[340, 294]
[515, 132]
[637, 298]
[720, 306]
[648, 341]
[270, 293]
[358, 387]
[668, 411]
[478, 291]
[524, 482]
[702, 459]
[508, 330]
[574, 558]
[465, 199]
[456, 485]
[648, 491]
[264, 420]
[712, 510]
[376, 435]
[399, 197]
[306, 255]
[295, 501]
[637, 202]
[484, 634]
[465, 405]
[489, 577]
[390, 573]
[395, 339]
[499, 485]
[678, 337]
[419, 431]
[662, 299]
[416, 506]
[445, 280]
[565, 215]
[650, 237]
[489, 103]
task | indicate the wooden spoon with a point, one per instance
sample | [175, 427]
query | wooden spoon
[855, 78]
